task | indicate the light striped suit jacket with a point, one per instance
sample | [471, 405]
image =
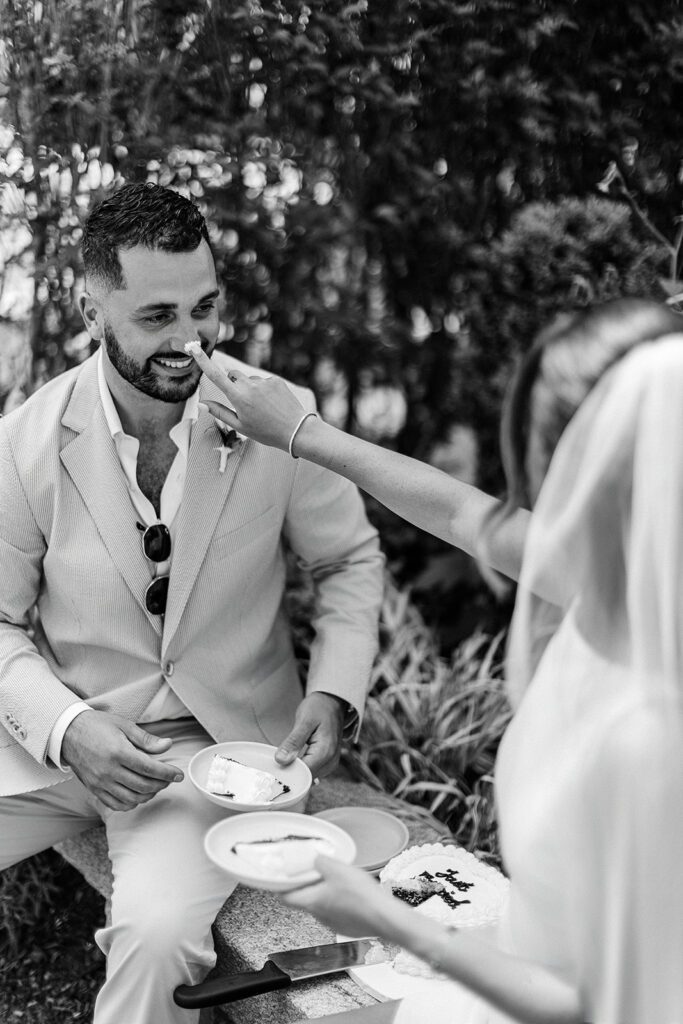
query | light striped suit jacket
[69, 548]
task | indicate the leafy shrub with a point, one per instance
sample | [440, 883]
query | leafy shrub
[554, 257]
[432, 725]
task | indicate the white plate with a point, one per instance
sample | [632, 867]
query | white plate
[260, 825]
[421, 999]
[255, 755]
[378, 835]
[447, 1001]
[383, 982]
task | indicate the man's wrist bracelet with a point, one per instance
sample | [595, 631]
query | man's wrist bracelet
[296, 430]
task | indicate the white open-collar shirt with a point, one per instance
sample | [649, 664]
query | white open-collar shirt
[165, 704]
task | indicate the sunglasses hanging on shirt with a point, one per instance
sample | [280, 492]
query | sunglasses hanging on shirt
[156, 544]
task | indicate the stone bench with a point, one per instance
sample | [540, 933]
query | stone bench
[253, 923]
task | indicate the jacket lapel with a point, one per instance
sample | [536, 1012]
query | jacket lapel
[204, 497]
[92, 462]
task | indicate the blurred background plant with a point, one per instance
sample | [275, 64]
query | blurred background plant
[50, 967]
[24, 898]
[432, 724]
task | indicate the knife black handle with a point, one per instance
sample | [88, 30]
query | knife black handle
[231, 986]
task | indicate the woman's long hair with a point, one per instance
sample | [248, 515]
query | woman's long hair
[565, 361]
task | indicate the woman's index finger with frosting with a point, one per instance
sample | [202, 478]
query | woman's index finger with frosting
[213, 372]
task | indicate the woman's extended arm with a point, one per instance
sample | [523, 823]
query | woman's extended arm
[267, 410]
[349, 901]
[441, 504]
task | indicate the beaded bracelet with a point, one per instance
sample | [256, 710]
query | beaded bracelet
[296, 430]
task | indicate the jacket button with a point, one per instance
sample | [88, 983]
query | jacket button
[168, 667]
[21, 733]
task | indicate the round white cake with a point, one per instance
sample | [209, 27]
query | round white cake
[448, 885]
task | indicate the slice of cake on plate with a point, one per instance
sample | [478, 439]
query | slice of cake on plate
[241, 783]
[288, 855]
[448, 885]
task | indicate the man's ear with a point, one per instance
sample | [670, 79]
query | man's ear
[93, 318]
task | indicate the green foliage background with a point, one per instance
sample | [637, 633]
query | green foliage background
[354, 159]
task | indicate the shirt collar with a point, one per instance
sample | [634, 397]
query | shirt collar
[190, 412]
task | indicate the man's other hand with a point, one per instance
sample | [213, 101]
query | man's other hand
[113, 759]
[317, 734]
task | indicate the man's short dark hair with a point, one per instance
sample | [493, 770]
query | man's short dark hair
[138, 214]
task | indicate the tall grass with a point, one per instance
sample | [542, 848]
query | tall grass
[27, 895]
[432, 725]
[50, 966]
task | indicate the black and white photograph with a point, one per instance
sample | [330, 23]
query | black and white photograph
[341, 512]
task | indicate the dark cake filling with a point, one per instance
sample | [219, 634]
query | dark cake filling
[264, 842]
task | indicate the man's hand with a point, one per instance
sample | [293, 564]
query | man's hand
[317, 734]
[112, 758]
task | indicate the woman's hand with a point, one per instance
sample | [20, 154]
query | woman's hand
[347, 900]
[263, 408]
[352, 903]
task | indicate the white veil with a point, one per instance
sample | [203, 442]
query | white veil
[606, 535]
[603, 572]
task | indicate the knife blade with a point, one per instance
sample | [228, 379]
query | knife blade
[281, 969]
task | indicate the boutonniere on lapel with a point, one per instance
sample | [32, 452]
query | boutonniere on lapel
[230, 441]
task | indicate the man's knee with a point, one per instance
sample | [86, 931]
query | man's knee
[159, 932]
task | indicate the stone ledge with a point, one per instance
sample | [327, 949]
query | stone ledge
[253, 923]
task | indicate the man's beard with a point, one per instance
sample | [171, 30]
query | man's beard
[144, 378]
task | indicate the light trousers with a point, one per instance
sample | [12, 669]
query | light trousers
[166, 892]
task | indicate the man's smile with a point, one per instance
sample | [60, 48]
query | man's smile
[179, 363]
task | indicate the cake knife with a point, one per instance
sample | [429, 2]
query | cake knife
[282, 969]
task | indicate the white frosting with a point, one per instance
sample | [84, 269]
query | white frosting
[289, 856]
[451, 866]
[192, 347]
[242, 784]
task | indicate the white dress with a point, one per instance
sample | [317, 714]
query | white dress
[589, 786]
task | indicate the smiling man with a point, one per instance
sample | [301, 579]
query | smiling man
[154, 559]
